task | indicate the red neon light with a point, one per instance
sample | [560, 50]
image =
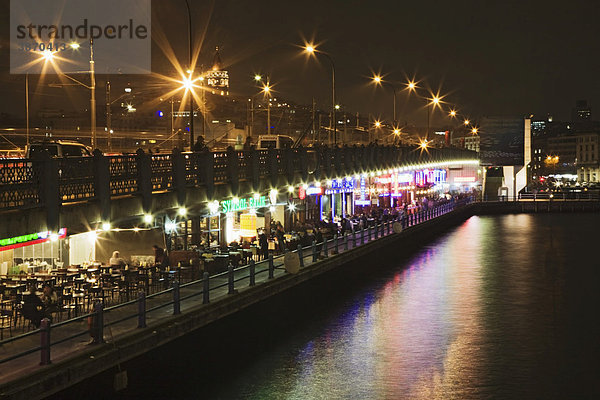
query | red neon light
[301, 193]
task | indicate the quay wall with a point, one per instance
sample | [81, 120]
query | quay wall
[98, 359]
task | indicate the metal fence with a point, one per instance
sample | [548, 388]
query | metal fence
[33, 182]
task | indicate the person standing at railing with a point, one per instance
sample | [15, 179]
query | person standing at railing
[199, 146]
[280, 238]
[160, 257]
[263, 243]
[50, 301]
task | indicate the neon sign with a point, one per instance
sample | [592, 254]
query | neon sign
[32, 238]
[243, 204]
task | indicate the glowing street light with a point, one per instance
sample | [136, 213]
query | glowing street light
[452, 113]
[257, 78]
[412, 86]
[474, 131]
[378, 80]
[48, 55]
[377, 124]
[74, 46]
[187, 84]
[467, 122]
[311, 50]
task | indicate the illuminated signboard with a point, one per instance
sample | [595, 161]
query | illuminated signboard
[243, 204]
[342, 184]
[463, 179]
[33, 238]
[314, 190]
[405, 177]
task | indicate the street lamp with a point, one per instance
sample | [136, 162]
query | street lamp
[267, 88]
[191, 72]
[49, 56]
[267, 91]
[435, 101]
[311, 50]
[378, 80]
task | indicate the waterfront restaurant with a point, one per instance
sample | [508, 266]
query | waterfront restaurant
[32, 252]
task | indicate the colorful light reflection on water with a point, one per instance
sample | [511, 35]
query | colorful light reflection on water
[501, 307]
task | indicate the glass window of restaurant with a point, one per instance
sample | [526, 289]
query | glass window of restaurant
[46, 254]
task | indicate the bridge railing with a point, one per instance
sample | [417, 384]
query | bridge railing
[19, 184]
[36, 347]
[31, 183]
[123, 174]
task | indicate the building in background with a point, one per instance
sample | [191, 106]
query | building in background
[588, 167]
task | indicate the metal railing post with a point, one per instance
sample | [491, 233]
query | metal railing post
[45, 342]
[353, 238]
[362, 236]
[314, 251]
[369, 234]
[176, 299]
[376, 231]
[271, 267]
[230, 282]
[141, 309]
[346, 241]
[300, 255]
[205, 288]
[98, 323]
[336, 244]
[325, 249]
[252, 270]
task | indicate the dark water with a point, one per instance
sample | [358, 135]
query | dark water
[501, 307]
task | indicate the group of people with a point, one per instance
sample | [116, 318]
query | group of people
[35, 308]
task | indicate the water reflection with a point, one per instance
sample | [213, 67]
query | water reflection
[475, 314]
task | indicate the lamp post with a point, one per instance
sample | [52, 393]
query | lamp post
[91, 87]
[190, 72]
[93, 95]
[266, 90]
[310, 49]
[378, 80]
[435, 100]
[27, 106]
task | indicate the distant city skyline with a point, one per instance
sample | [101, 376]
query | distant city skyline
[503, 58]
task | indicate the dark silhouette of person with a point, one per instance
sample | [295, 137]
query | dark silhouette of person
[199, 145]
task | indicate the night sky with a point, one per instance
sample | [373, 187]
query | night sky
[488, 57]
